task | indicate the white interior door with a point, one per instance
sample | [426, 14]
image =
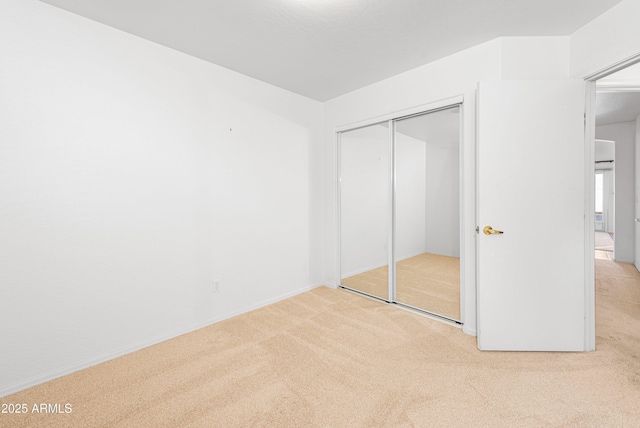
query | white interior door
[531, 160]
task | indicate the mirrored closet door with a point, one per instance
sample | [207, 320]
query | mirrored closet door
[400, 207]
[364, 209]
[427, 224]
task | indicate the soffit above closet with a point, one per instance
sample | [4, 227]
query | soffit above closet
[325, 48]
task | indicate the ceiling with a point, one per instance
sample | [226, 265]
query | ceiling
[325, 48]
[618, 96]
[617, 107]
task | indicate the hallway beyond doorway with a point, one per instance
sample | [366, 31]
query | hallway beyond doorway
[604, 245]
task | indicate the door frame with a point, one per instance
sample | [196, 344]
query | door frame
[589, 181]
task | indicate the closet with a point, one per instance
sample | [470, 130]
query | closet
[399, 210]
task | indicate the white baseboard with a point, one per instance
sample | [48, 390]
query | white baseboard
[129, 349]
[469, 331]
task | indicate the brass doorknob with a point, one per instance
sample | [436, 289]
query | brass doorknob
[488, 230]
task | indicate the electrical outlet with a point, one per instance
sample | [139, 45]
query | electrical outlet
[216, 286]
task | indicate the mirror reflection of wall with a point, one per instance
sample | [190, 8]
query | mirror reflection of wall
[364, 209]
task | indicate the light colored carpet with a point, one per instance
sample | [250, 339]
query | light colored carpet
[335, 359]
[603, 241]
[427, 281]
[374, 282]
[430, 282]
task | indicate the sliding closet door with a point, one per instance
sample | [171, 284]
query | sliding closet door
[365, 173]
[427, 212]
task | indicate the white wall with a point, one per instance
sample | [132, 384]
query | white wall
[624, 136]
[131, 176]
[442, 235]
[525, 58]
[612, 37]
[411, 196]
[364, 199]
[437, 199]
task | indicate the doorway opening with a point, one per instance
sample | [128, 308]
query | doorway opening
[617, 113]
[604, 199]
[613, 114]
